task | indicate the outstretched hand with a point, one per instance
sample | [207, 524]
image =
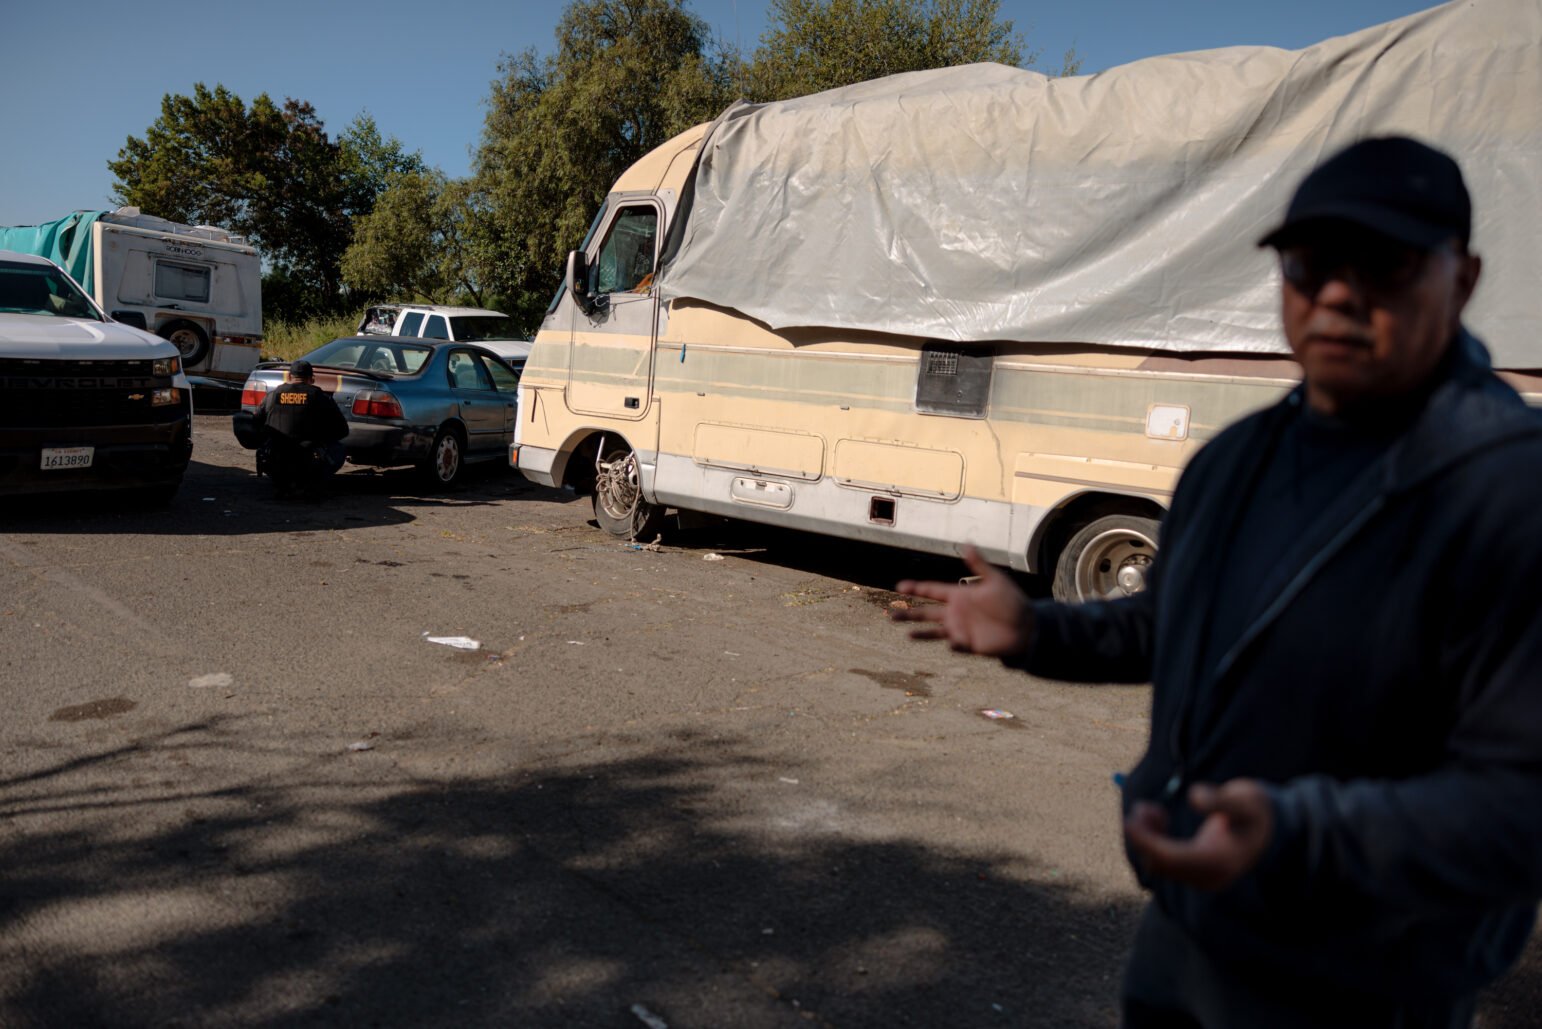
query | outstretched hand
[1238, 826]
[990, 616]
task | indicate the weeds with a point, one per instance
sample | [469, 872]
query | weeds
[285, 341]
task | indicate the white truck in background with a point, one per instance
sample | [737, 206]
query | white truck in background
[196, 285]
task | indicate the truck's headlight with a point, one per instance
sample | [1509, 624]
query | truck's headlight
[162, 397]
[166, 366]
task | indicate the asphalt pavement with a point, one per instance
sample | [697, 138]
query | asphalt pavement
[703, 784]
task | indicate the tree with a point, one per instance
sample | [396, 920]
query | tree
[268, 172]
[814, 45]
[416, 243]
[627, 75]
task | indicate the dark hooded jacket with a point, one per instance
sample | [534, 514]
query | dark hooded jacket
[1389, 692]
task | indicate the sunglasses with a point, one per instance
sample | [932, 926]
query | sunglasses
[1372, 266]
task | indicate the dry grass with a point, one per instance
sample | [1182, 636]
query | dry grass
[285, 341]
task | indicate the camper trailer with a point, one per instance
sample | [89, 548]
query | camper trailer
[979, 305]
[198, 286]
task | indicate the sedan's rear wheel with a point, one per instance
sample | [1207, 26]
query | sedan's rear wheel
[619, 506]
[446, 458]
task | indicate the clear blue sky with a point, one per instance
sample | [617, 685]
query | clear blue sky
[77, 85]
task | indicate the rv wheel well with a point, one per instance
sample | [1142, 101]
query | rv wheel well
[1064, 522]
[578, 470]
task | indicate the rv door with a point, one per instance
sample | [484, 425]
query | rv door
[610, 368]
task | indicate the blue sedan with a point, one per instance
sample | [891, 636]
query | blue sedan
[438, 405]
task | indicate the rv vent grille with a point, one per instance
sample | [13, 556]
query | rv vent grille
[953, 380]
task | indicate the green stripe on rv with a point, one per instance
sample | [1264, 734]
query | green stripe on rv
[1110, 403]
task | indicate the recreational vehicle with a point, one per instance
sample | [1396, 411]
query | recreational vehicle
[982, 306]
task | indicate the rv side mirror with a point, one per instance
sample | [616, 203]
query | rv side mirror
[578, 280]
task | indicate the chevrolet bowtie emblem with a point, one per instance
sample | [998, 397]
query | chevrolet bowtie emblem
[136, 396]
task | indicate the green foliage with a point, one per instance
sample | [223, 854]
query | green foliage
[268, 172]
[814, 45]
[287, 340]
[362, 213]
[414, 245]
[627, 75]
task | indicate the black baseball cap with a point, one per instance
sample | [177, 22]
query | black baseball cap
[300, 370]
[1392, 185]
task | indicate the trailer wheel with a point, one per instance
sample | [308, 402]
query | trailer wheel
[1108, 558]
[189, 339]
[619, 506]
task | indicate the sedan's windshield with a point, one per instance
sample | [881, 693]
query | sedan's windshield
[380, 356]
[40, 289]
[475, 328]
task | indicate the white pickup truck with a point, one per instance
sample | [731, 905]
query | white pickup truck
[492, 329]
[85, 402]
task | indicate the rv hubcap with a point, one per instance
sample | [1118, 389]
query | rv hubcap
[617, 485]
[1115, 564]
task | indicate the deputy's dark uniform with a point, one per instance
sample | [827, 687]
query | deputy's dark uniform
[303, 429]
[303, 413]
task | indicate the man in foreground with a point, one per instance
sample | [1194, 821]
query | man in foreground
[302, 431]
[1339, 812]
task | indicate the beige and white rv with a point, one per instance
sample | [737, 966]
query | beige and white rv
[983, 306]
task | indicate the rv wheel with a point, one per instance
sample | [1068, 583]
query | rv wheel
[619, 506]
[189, 338]
[1108, 558]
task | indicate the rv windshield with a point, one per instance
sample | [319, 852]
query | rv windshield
[593, 227]
[41, 289]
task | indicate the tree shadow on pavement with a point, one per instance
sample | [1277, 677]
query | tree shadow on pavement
[350, 893]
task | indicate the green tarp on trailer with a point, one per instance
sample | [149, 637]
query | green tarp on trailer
[66, 242]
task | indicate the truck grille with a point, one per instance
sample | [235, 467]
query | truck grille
[69, 394]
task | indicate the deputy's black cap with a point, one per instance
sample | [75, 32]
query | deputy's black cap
[1392, 185]
[300, 370]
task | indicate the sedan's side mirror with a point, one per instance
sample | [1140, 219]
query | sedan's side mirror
[578, 280]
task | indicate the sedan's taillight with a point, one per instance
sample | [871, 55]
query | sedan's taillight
[253, 392]
[377, 403]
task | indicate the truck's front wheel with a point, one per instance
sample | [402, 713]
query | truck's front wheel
[1108, 558]
[189, 339]
[619, 506]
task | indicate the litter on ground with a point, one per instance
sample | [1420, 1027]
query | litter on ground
[648, 1018]
[458, 642]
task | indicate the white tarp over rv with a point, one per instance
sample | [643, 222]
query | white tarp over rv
[991, 203]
